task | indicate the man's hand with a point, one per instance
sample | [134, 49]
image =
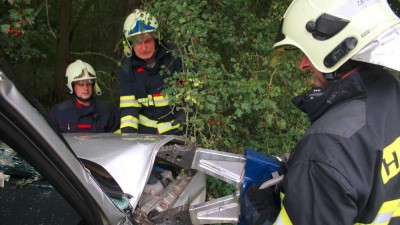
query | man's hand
[180, 119]
[259, 206]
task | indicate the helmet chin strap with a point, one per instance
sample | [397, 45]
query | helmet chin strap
[339, 73]
[331, 77]
[345, 70]
[127, 48]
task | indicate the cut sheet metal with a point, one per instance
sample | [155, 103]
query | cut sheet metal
[128, 158]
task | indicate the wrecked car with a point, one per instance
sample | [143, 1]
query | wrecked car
[52, 178]
[119, 179]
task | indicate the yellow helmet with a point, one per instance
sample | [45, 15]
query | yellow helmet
[80, 70]
[139, 22]
[330, 32]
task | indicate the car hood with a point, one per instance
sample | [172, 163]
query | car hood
[128, 158]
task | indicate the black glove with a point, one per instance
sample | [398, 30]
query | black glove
[259, 206]
[180, 118]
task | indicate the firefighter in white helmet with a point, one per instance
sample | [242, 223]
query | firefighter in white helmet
[346, 168]
[144, 109]
[83, 112]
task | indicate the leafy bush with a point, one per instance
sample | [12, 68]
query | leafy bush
[242, 87]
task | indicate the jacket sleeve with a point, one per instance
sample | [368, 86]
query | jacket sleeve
[316, 189]
[129, 106]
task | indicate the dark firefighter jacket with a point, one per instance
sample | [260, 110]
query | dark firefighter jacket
[143, 107]
[345, 170]
[72, 117]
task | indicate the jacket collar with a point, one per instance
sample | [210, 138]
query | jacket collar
[352, 87]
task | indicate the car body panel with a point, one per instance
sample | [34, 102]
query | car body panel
[128, 158]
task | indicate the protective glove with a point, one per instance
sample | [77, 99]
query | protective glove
[180, 118]
[259, 206]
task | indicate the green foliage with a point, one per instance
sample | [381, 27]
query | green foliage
[26, 44]
[18, 31]
[32, 53]
[216, 188]
[242, 87]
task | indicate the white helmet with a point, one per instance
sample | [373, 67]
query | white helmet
[80, 70]
[139, 22]
[330, 32]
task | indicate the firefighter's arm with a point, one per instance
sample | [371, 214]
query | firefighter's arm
[316, 193]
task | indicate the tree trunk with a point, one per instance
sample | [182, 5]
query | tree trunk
[131, 5]
[63, 49]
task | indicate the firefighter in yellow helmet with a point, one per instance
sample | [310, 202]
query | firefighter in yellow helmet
[84, 113]
[144, 109]
[346, 168]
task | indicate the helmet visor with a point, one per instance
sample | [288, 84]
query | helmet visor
[84, 82]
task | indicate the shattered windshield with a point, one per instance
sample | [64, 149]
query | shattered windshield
[12, 164]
